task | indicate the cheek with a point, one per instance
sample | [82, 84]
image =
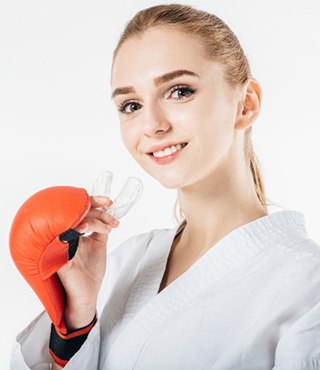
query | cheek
[129, 138]
[213, 122]
[125, 135]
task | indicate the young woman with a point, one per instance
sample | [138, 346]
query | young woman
[231, 286]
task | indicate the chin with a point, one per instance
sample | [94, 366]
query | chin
[170, 186]
[170, 183]
[168, 178]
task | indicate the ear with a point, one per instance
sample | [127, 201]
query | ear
[249, 107]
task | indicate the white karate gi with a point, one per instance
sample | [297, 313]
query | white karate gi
[251, 302]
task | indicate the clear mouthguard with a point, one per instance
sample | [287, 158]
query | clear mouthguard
[127, 197]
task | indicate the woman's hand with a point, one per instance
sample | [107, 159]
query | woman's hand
[82, 276]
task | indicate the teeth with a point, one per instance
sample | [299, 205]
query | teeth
[168, 151]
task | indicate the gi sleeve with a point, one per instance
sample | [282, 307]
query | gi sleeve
[31, 349]
[299, 346]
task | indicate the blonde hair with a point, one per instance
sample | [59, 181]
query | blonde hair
[221, 45]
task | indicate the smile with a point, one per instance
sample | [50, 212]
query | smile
[168, 151]
[168, 154]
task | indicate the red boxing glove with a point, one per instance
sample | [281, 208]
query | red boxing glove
[42, 241]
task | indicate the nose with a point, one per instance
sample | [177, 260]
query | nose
[155, 121]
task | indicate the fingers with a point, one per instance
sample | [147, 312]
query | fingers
[82, 228]
[94, 225]
[102, 216]
[98, 221]
[99, 201]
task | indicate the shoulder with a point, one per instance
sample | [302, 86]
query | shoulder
[303, 261]
[304, 247]
[306, 253]
[299, 347]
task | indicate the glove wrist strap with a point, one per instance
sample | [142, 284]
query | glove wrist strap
[63, 346]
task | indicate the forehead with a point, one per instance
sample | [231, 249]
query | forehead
[156, 52]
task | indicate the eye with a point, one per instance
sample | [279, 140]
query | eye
[181, 92]
[128, 107]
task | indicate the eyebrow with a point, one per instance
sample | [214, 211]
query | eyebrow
[157, 81]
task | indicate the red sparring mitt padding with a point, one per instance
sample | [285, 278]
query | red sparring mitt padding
[36, 247]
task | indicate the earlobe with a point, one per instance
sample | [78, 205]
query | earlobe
[249, 105]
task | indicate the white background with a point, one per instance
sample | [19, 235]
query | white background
[58, 125]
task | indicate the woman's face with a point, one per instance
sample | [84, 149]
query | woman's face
[168, 93]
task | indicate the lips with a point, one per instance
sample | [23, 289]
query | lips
[167, 158]
[157, 148]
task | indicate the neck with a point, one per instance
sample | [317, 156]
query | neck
[216, 206]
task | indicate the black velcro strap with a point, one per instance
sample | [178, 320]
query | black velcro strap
[64, 349]
[72, 237]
